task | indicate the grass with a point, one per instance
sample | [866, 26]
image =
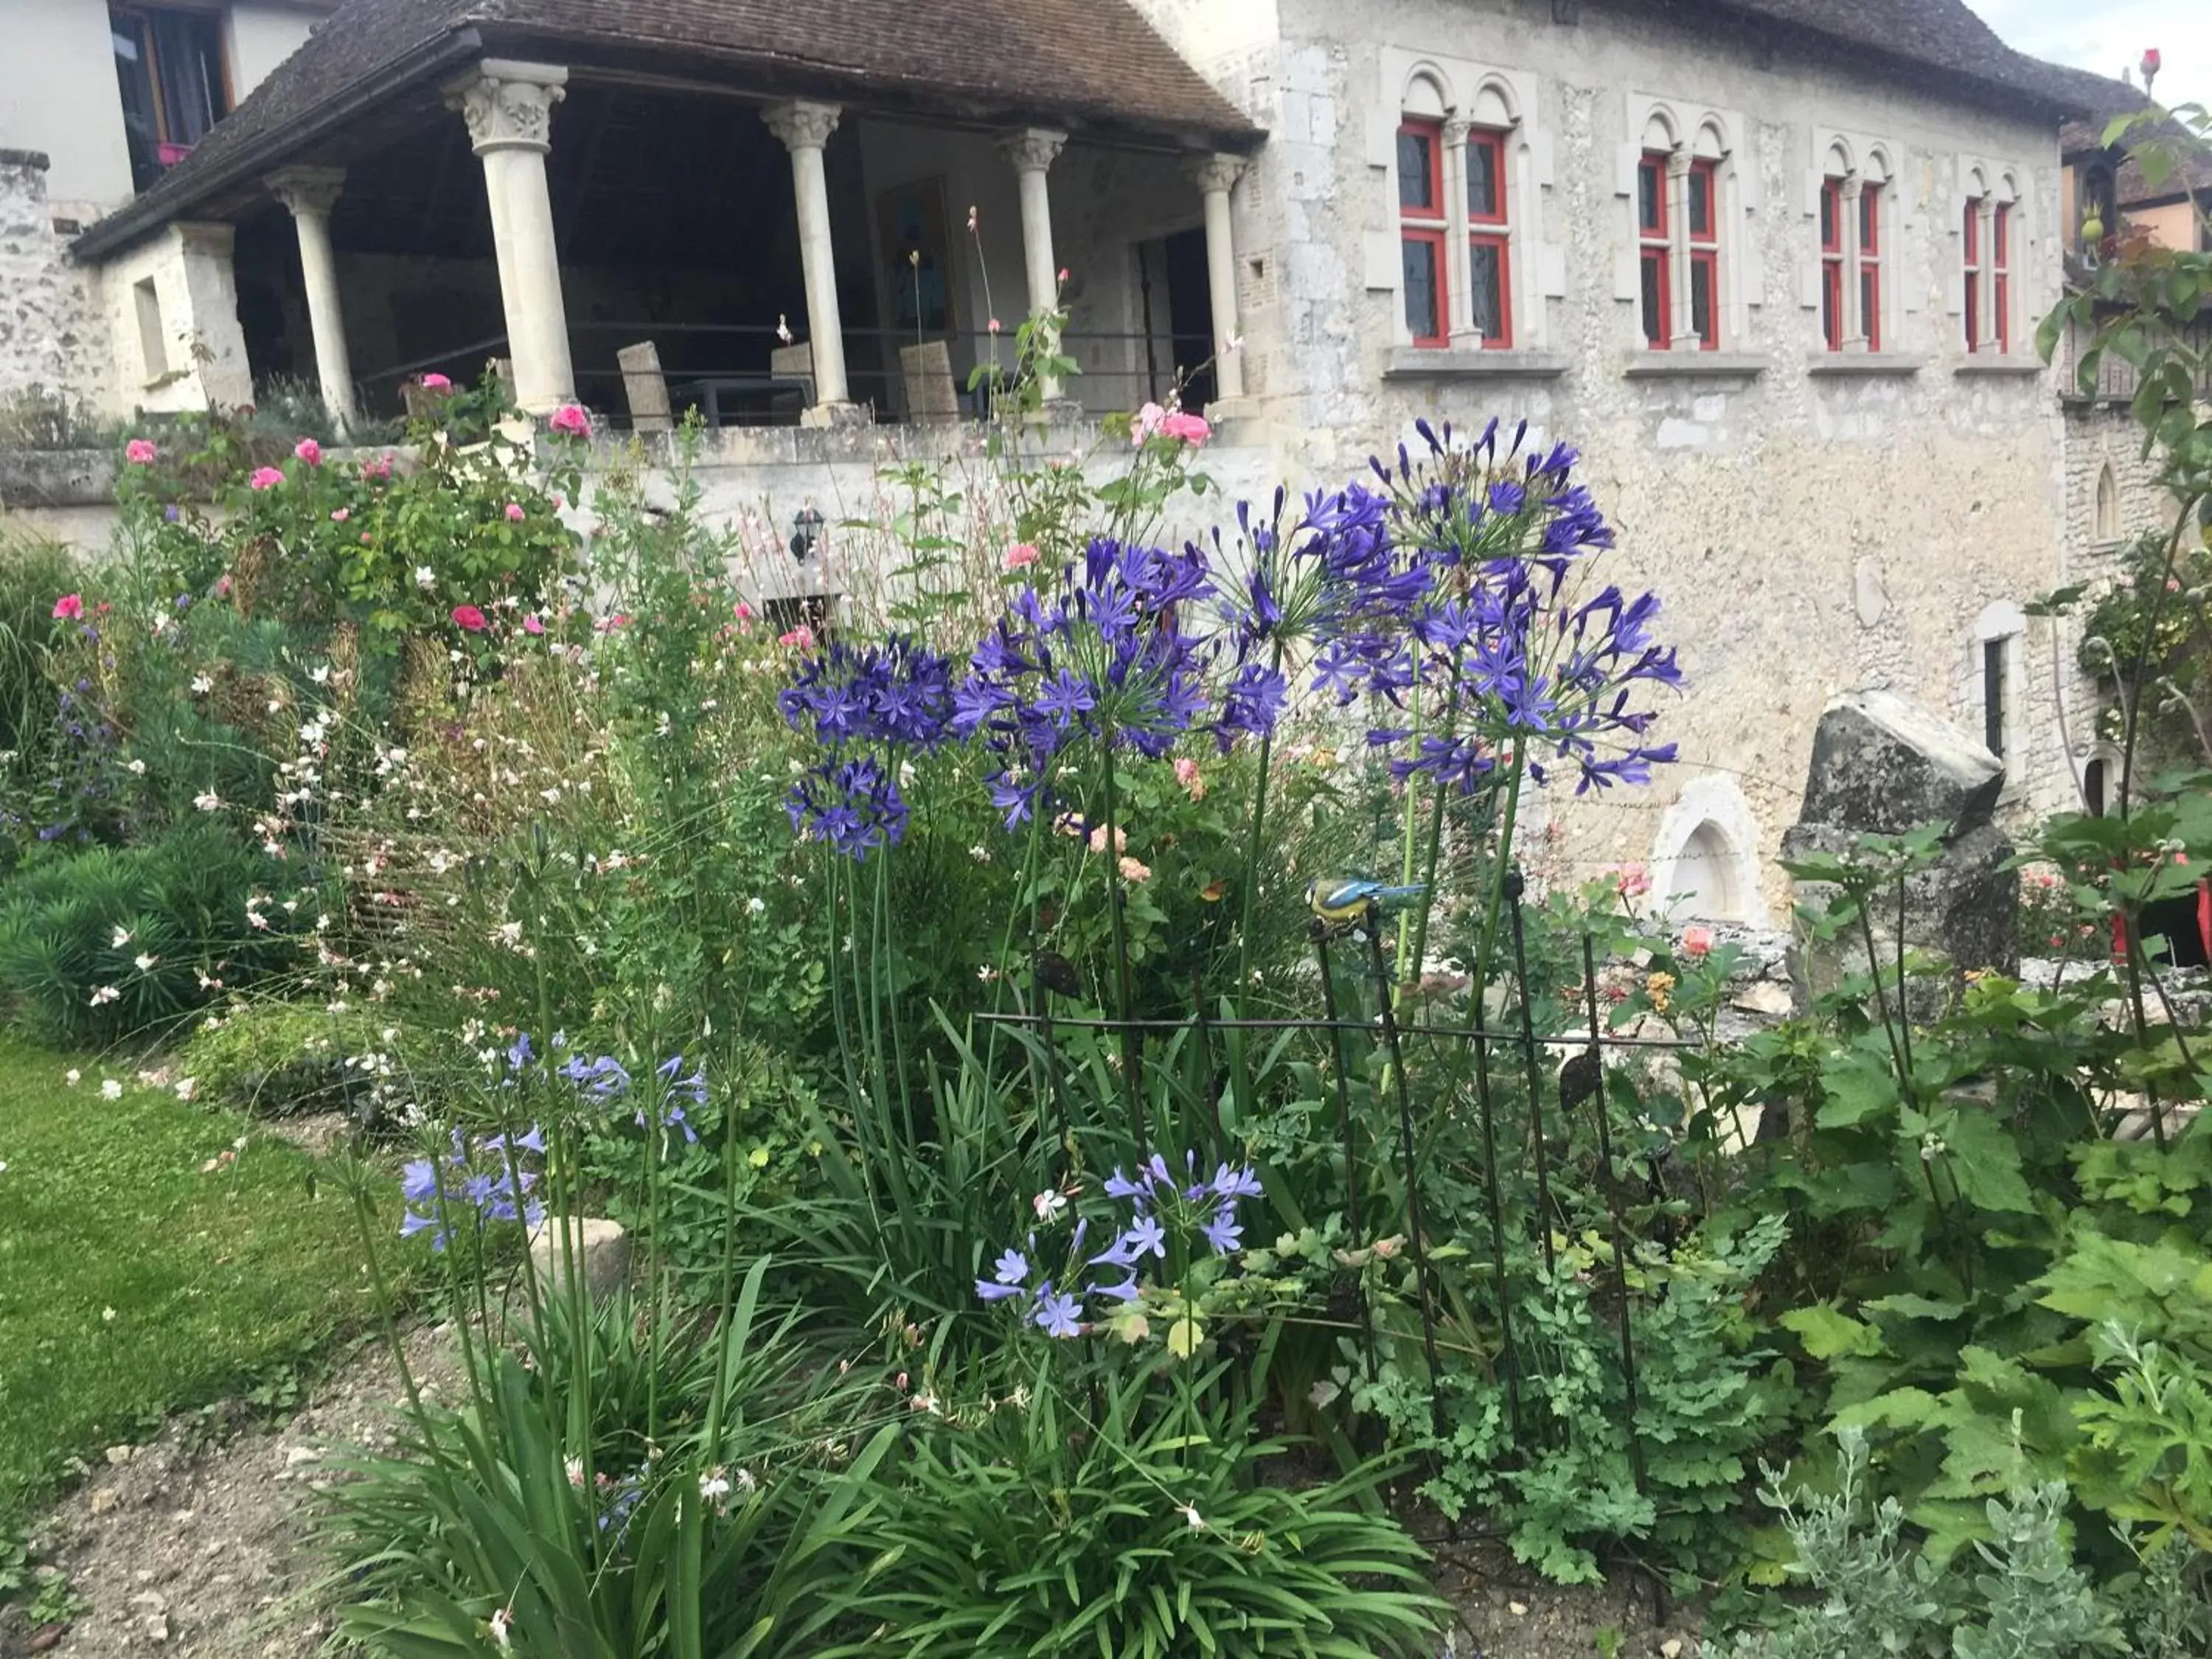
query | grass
[219, 1283]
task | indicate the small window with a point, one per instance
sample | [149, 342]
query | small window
[1832, 263]
[1971, 242]
[1655, 250]
[1703, 192]
[1993, 696]
[1870, 263]
[169, 68]
[2105, 525]
[152, 337]
[1490, 239]
[2001, 275]
[2094, 787]
[1421, 231]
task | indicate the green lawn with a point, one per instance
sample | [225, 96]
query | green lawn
[217, 1281]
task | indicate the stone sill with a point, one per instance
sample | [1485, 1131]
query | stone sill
[1698, 365]
[1990, 364]
[1436, 362]
[1849, 364]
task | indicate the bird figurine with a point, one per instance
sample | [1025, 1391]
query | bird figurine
[1341, 901]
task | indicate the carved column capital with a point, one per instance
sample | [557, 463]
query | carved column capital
[509, 105]
[1678, 161]
[1214, 172]
[801, 125]
[1033, 149]
[306, 189]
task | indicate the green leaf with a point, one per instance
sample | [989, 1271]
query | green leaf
[1983, 1160]
[1828, 1333]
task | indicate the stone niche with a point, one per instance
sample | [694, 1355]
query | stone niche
[1883, 765]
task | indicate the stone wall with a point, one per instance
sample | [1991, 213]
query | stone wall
[1809, 532]
[52, 335]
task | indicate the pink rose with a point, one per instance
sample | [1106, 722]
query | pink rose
[514, 513]
[1187, 775]
[571, 420]
[469, 617]
[341, 514]
[1021, 555]
[1098, 839]
[69, 607]
[1132, 870]
[1632, 882]
[742, 611]
[1697, 941]
[1146, 423]
[435, 382]
[800, 638]
[222, 586]
[265, 478]
[379, 468]
[531, 625]
[309, 451]
[1191, 428]
[140, 451]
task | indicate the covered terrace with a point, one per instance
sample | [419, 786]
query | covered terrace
[825, 214]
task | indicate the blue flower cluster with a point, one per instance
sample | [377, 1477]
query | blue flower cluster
[601, 1080]
[865, 706]
[1109, 659]
[484, 1181]
[1162, 1210]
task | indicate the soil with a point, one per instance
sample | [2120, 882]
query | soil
[197, 1545]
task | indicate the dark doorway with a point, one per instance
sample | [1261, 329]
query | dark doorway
[1191, 304]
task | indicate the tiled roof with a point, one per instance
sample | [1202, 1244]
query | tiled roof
[1087, 66]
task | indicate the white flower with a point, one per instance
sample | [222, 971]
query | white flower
[320, 676]
[1050, 1205]
[108, 1316]
[508, 933]
[715, 1487]
[72, 1077]
[501, 1620]
[106, 994]
[756, 905]
[425, 577]
[1190, 1513]
[122, 937]
[145, 961]
[137, 769]
[110, 1090]
[187, 1087]
[575, 1466]
[202, 685]
[208, 801]
[979, 852]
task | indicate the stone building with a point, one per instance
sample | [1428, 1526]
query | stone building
[1774, 266]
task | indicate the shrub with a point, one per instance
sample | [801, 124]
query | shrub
[278, 1059]
[117, 941]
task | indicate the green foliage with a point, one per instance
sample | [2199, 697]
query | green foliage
[279, 1059]
[160, 926]
[1028, 1525]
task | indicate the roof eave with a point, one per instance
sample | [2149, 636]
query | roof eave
[143, 217]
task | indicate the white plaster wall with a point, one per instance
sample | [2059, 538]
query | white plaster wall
[57, 94]
[204, 348]
[52, 328]
[259, 34]
[1806, 534]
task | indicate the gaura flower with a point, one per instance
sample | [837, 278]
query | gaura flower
[69, 607]
[309, 451]
[140, 451]
[265, 478]
[467, 617]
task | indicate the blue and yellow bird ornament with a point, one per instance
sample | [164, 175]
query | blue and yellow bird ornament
[1339, 901]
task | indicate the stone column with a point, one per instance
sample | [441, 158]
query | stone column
[310, 193]
[1848, 204]
[1214, 175]
[1459, 263]
[509, 108]
[1032, 151]
[805, 127]
[1680, 322]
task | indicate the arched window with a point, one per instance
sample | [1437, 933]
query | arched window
[2106, 524]
[1854, 204]
[1989, 226]
[1705, 882]
[1679, 234]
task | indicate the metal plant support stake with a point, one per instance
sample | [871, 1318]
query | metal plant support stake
[1606, 1176]
[1515, 886]
[1509, 1355]
[1352, 1220]
[1050, 1053]
[1205, 1065]
[1416, 1226]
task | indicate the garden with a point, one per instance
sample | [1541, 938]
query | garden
[1117, 1139]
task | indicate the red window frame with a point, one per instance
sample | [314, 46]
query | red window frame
[1705, 183]
[1870, 263]
[1493, 230]
[2001, 274]
[1832, 263]
[1971, 264]
[1426, 226]
[1655, 250]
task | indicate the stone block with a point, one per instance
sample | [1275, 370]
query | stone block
[1885, 765]
[645, 386]
[932, 397]
[602, 1253]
